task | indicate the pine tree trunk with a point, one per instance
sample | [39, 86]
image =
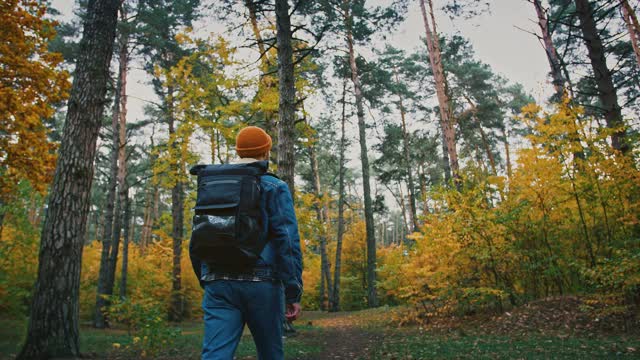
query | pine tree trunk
[505, 139]
[145, 233]
[99, 320]
[323, 220]
[132, 226]
[122, 164]
[96, 225]
[151, 211]
[398, 197]
[372, 300]
[53, 321]
[251, 6]
[633, 26]
[109, 256]
[335, 300]
[407, 164]
[483, 136]
[287, 90]
[212, 146]
[551, 51]
[423, 189]
[403, 207]
[602, 74]
[445, 157]
[446, 121]
[265, 62]
[176, 309]
[125, 248]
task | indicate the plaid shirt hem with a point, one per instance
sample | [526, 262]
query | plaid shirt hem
[257, 274]
[236, 277]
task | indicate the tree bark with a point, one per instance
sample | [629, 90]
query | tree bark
[323, 219]
[403, 207]
[372, 300]
[122, 163]
[151, 208]
[505, 139]
[145, 233]
[99, 320]
[265, 61]
[631, 20]
[423, 189]
[446, 119]
[602, 74]
[551, 51]
[287, 90]
[483, 136]
[335, 301]
[125, 247]
[253, 18]
[176, 309]
[445, 157]
[111, 241]
[53, 321]
[407, 160]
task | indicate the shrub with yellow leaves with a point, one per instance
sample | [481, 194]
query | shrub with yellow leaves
[564, 222]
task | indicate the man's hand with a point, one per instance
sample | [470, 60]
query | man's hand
[293, 311]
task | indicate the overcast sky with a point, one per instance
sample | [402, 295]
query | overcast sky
[513, 53]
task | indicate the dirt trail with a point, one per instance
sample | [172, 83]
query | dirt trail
[340, 337]
[345, 343]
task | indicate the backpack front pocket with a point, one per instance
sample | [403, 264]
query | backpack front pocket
[219, 193]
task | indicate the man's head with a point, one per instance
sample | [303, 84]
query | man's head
[253, 142]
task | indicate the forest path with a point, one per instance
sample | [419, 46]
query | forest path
[342, 335]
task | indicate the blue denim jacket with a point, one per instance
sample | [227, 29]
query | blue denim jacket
[281, 258]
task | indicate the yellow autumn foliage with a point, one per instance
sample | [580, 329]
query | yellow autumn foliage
[31, 83]
[564, 222]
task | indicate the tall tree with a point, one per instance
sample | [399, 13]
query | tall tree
[113, 207]
[447, 123]
[480, 99]
[352, 21]
[287, 91]
[633, 26]
[128, 218]
[267, 81]
[407, 161]
[160, 21]
[123, 189]
[334, 302]
[402, 77]
[323, 218]
[550, 50]
[603, 77]
[364, 158]
[53, 321]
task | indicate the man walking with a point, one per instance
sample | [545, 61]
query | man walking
[248, 260]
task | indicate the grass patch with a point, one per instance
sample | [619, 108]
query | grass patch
[100, 343]
[411, 343]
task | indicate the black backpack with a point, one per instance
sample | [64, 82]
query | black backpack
[228, 220]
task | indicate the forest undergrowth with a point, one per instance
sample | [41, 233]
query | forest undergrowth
[556, 327]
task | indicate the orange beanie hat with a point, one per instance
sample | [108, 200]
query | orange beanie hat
[252, 141]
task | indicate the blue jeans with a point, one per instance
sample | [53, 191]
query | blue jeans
[230, 304]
